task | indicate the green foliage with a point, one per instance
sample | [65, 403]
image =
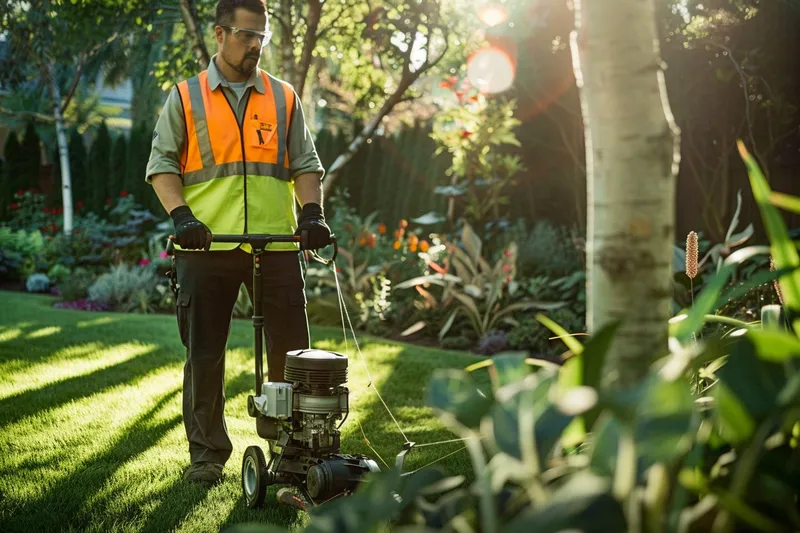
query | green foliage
[23, 249]
[127, 288]
[117, 166]
[482, 292]
[5, 191]
[138, 155]
[532, 337]
[58, 272]
[477, 131]
[99, 170]
[77, 167]
[31, 157]
[14, 164]
[76, 285]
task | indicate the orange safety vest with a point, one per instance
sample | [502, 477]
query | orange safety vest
[236, 178]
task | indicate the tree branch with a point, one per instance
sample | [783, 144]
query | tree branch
[27, 115]
[189, 14]
[309, 42]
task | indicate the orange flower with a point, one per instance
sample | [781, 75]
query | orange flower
[399, 233]
[423, 246]
[363, 240]
[397, 245]
[371, 240]
[413, 246]
[381, 228]
[413, 240]
[403, 223]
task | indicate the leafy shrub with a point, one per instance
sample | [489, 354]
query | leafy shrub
[75, 286]
[126, 288]
[10, 263]
[546, 249]
[532, 336]
[58, 273]
[37, 283]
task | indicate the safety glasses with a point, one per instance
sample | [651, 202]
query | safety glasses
[250, 36]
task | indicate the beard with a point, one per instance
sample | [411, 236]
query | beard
[246, 65]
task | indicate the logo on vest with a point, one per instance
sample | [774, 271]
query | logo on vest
[261, 126]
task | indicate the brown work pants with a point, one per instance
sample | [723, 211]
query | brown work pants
[209, 285]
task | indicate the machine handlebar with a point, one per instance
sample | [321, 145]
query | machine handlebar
[261, 240]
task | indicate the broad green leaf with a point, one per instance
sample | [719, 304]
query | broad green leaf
[508, 368]
[605, 443]
[456, 397]
[785, 201]
[527, 398]
[784, 251]
[775, 346]
[448, 324]
[572, 343]
[584, 503]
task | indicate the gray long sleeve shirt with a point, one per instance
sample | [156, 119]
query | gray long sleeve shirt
[170, 131]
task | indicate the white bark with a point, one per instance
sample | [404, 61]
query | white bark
[632, 156]
[63, 151]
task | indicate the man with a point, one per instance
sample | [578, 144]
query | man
[230, 154]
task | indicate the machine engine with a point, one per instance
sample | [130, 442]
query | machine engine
[301, 419]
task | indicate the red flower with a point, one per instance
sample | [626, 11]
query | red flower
[506, 268]
[79, 204]
[144, 262]
[14, 206]
[466, 134]
[371, 240]
[108, 201]
[123, 194]
[45, 210]
[20, 192]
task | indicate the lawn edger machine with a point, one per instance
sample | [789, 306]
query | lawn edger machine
[301, 417]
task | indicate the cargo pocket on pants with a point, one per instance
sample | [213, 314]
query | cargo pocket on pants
[182, 310]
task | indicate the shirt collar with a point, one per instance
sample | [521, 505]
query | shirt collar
[215, 78]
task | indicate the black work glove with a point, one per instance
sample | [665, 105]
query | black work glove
[313, 221]
[190, 233]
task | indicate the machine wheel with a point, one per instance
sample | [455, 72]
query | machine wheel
[254, 476]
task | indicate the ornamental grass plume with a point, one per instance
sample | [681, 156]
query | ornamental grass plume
[691, 255]
[775, 282]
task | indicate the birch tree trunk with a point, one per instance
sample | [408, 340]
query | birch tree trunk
[63, 150]
[632, 156]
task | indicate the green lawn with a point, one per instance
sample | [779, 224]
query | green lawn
[91, 435]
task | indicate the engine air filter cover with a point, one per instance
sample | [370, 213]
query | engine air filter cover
[316, 368]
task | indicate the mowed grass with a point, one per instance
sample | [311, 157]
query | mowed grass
[91, 433]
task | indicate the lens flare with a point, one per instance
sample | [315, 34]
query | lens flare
[492, 14]
[491, 70]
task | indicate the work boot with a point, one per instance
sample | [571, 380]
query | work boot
[204, 473]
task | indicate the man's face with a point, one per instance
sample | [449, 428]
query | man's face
[240, 48]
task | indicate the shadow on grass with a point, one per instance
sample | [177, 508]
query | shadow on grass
[33, 401]
[66, 504]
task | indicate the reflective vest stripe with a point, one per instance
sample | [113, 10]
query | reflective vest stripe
[280, 106]
[254, 169]
[200, 122]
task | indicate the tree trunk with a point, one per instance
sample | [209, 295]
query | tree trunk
[189, 14]
[63, 151]
[632, 154]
